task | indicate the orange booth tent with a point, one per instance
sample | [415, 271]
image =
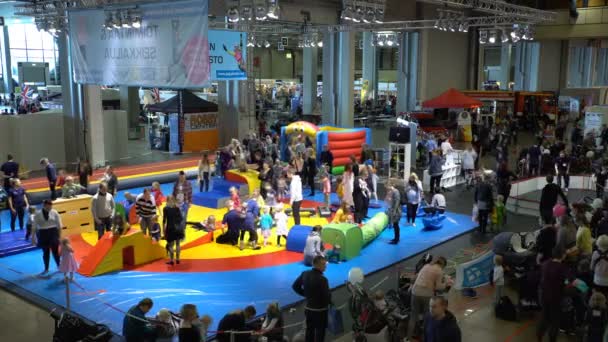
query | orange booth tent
[452, 98]
[198, 129]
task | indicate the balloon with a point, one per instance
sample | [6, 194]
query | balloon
[559, 210]
[355, 276]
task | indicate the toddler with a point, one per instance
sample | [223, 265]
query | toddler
[266, 224]
[281, 221]
[333, 254]
[326, 188]
[60, 178]
[155, 229]
[498, 278]
[159, 198]
[68, 264]
[498, 214]
[30, 220]
[339, 188]
[281, 189]
[596, 317]
[234, 197]
[165, 327]
[271, 197]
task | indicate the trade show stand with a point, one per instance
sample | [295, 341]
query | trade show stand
[452, 174]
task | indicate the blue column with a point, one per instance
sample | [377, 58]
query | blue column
[505, 66]
[310, 79]
[527, 56]
[370, 65]
[329, 78]
[6, 70]
[407, 72]
[346, 73]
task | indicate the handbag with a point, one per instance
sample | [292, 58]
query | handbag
[335, 325]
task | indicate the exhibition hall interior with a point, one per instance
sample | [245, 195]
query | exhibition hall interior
[290, 170]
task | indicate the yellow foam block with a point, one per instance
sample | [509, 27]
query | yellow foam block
[250, 176]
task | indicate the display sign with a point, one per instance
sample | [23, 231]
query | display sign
[465, 130]
[474, 273]
[227, 55]
[169, 49]
[200, 121]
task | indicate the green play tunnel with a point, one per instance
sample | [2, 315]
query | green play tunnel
[351, 238]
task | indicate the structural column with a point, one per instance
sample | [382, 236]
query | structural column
[370, 66]
[93, 110]
[346, 75]
[330, 62]
[310, 79]
[527, 55]
[407, 72]
[6, 70]
[505, 66]
[234, 120]
[129, 102]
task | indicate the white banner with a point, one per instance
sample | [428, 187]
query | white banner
[200, 121]
[170, 49]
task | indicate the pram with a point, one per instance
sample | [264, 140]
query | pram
[518, 251]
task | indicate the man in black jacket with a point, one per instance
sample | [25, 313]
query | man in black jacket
[327, 157]
[314, 286]
[484, 199]
[440, 325]
[236, 321]
[548, 200]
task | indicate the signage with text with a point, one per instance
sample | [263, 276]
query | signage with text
[200, 121]
[227, 55]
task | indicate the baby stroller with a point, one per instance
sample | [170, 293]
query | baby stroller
[370, 322]
[518, 251]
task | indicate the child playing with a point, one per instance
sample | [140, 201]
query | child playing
[159, 198]
[271, 197]
[498, 214]
[165, 326]
[68, 264]
[266, 224]
[343, 214]
[596, 317]
[281, 189]
[60, 178]
[234, 197]
[30, 221]
[281, 221]
[339, 188]
[326, 188]
[155, 229]
[498, 278]
[333, 254]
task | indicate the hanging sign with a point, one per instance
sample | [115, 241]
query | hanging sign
[200, 121]
[169, 49]
[227, 55]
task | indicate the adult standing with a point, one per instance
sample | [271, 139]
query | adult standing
[310, 167]
[354, 165]
[429, 280]
[313, 246]
[546, 242]
[145, 206]
[327, 158]
[111, 180]
[469, 156]
[17, 203]
[413, 196]
[315, 288]
[393, 211]
[173, 228]
[504, 176]
[10, 169]
[484, 199]
[367, 154]
[440, 324]
[348, 183]
[361, 195]
[51, 175]
[103, 209]
[182, 192]
[599, 265]
[554, 275]
[436, 169]
[266, 177]
[84, 172]
[562, 170]
[205, 167]
[295, 194]
[548, 200]
[48, 225]
[533, 160]
[135, 326]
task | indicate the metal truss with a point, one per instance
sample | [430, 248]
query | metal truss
[499, 8]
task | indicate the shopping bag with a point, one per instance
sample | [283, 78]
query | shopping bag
[475, 213]
[335, 324]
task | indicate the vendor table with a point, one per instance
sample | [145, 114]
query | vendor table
[75, 213]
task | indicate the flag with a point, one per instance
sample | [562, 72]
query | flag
[26, 93]
[156, 93]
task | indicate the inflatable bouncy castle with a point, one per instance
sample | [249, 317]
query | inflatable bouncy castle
[342, 142]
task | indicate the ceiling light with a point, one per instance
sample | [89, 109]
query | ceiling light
[246, 13]
[233, 14]
[492, 37]
[381, 40]
[390, 40]
[266, 44]
[136, 20]
[483, 36]
[126, 20]
[261, 13]
[116, 20]
[273, 9]
[250, 43]
[358, 15]
[379, 16]
[108, 22]
[347, 13]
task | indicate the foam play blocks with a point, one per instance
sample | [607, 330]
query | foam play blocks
[296, 240]
[250, 177]
[433, 222]
[349, 236]
[374, 227]
[114, 253]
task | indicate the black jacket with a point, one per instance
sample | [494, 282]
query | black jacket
[548, 197]
[327, 158]
[445, 330]
[483, 192]
[314, 287]
[234, 321]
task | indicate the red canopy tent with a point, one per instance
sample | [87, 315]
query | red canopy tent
[452, 98]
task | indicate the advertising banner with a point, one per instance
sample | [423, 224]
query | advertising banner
[169, 49]
[465, 130]
[474, 273]
[227, 55]
[200, 121]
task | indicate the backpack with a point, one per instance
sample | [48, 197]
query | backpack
[505, 309]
